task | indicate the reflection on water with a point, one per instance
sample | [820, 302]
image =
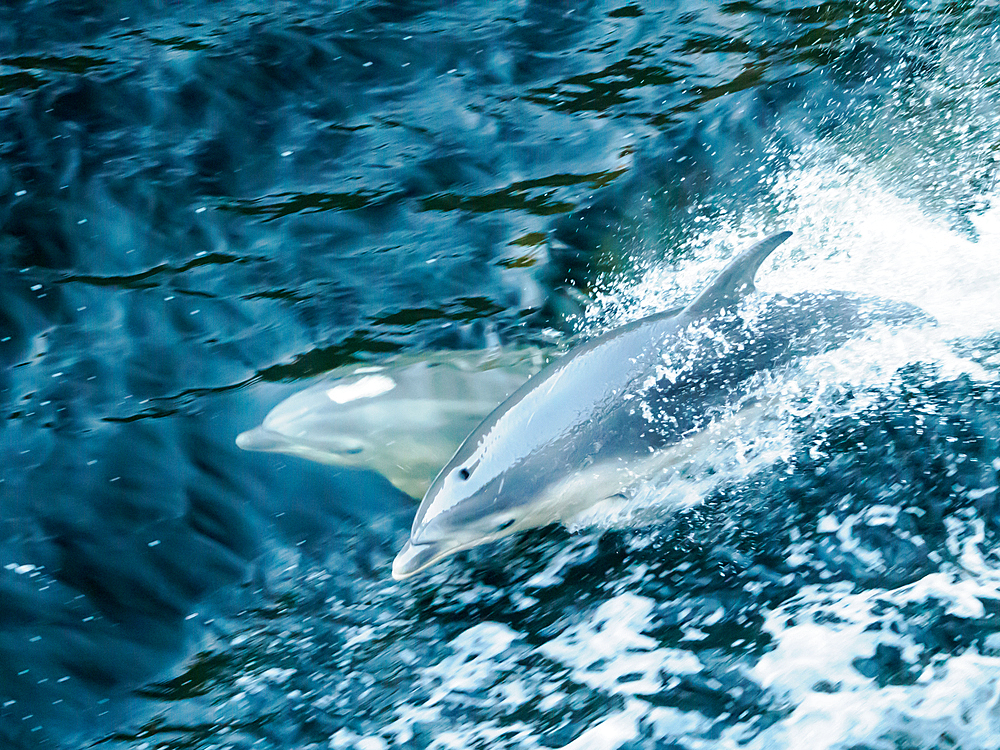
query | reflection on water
[204, 204]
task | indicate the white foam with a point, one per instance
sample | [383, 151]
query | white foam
[611, 733]
[611, 645]
[821, 633]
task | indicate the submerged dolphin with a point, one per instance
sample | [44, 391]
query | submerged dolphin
[598, 419]
[403, 419]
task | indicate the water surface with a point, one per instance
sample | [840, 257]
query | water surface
[204, 205]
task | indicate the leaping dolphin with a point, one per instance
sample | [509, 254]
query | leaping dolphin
[599, 419]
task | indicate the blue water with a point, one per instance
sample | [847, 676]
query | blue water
[204, 205]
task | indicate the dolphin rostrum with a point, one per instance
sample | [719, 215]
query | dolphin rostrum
[597, 420]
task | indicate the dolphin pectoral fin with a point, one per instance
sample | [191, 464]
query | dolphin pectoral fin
[415, 557]
[736, 280]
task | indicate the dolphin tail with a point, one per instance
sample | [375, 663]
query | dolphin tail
[736, 280]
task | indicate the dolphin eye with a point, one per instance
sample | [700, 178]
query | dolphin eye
[463, 473]
[505, 524]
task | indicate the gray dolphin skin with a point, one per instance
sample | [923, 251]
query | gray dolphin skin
[598, 420]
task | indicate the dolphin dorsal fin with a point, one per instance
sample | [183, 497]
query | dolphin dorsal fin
[735, 280]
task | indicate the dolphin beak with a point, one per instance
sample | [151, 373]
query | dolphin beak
[260, 439]
[415, 557]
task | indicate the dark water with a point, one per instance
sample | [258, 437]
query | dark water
[202, 205]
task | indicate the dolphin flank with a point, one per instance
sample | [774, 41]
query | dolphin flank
[599, 419]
